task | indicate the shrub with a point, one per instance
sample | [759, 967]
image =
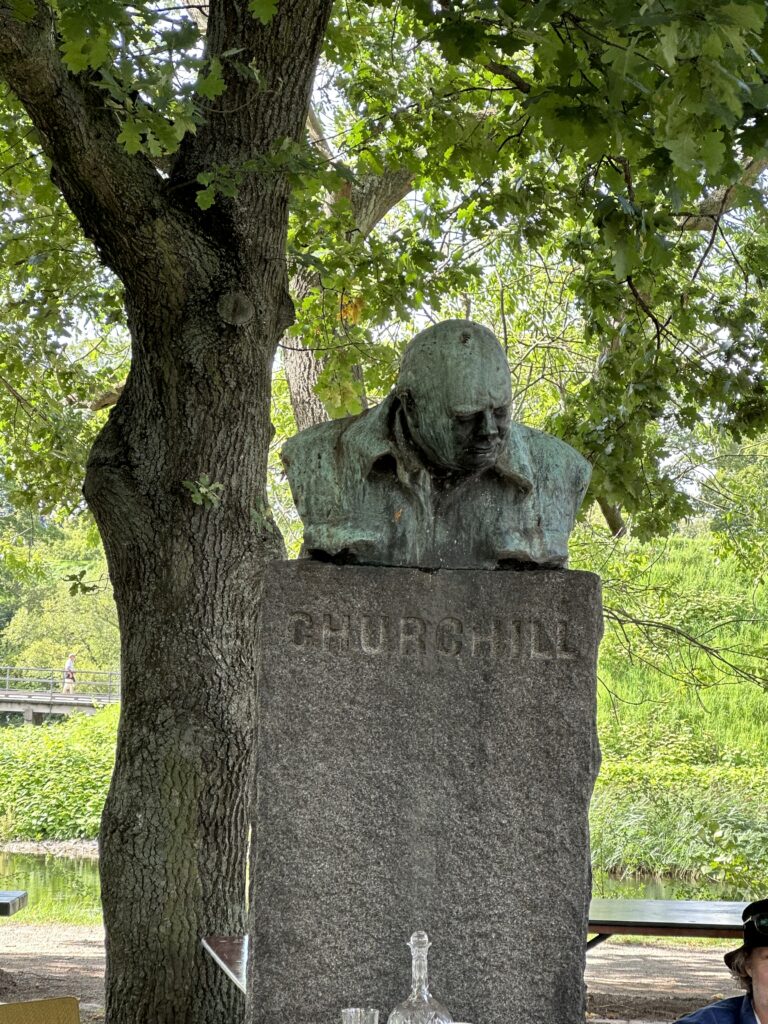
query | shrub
[54, 778]
[683, 820]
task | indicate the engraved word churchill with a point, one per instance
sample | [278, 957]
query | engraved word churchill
[414, 636]
[438, 475]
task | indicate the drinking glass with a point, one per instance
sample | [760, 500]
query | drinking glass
[359, 1015]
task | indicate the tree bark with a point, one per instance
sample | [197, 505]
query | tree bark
[186, 579]
[722, 200]
[207, 302]
[302, 366]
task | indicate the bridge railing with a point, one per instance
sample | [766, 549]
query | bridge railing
[103, 686]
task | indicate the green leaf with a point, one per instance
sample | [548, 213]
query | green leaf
[130, 136]
[758, 96]
[263, 10]
[668, 41]
[712, 45]
[99, 52]
[683, 151]
[23, 10]
[183, 124]
[76, 55]
[750, 16]
[212, 84]
[206, 197]
[83, 48]
[624, 258]
[712, 151]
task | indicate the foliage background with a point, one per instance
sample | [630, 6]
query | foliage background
[681, 791]
[61, 600]
[556, 159]
[54, 778]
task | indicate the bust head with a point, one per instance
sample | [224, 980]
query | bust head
[454, 389]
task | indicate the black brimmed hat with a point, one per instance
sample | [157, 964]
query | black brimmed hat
[755, 918]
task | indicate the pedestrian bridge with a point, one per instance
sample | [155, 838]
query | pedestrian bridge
[38, 693]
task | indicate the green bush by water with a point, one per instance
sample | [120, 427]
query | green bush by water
[683, 821]
[54, 778]
[682, 789]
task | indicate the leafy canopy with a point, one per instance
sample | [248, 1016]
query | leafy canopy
[615, 145]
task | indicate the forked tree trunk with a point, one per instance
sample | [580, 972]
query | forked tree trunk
[177, 478]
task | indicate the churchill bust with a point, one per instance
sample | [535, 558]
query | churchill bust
[438, 475]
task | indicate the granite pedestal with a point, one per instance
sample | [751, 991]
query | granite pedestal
[426, 755]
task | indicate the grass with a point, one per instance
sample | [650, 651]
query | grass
[46, 910]
[653, 682]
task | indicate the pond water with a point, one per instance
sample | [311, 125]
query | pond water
[66, 889]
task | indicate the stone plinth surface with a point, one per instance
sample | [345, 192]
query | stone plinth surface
[426, 754]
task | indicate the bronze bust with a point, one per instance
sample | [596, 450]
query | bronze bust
[437, 475]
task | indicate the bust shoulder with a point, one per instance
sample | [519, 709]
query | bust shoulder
[549, 459]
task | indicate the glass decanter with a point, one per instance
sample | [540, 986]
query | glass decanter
[420, 1007]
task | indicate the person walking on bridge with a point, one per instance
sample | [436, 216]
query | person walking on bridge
[69, 675]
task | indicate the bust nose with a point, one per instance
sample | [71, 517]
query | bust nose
[488, 425]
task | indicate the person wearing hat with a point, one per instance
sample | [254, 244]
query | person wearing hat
[749, 966]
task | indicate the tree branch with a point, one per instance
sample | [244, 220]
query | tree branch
[713, 206]
[315, 129]
[510, 74]
[613, 517]
[372, 197]
[115, 196]
[716, 655]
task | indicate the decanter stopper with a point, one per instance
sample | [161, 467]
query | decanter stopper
[420, 1007]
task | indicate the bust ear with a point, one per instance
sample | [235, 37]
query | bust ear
[408, 402]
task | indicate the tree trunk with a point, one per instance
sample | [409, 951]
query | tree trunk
[372, 198]
[177, 478]
[613, 517]
[186, 579]
[302, 367]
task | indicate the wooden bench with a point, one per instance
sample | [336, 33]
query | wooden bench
[11, 901]
[708, 919]
[697, 918]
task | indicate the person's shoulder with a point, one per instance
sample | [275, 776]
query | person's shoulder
[725, 1011]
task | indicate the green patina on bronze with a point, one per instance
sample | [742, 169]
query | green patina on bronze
[438, 476]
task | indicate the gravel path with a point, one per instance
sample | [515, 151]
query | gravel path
[655, 983]
[38, 961]
[627, 984]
